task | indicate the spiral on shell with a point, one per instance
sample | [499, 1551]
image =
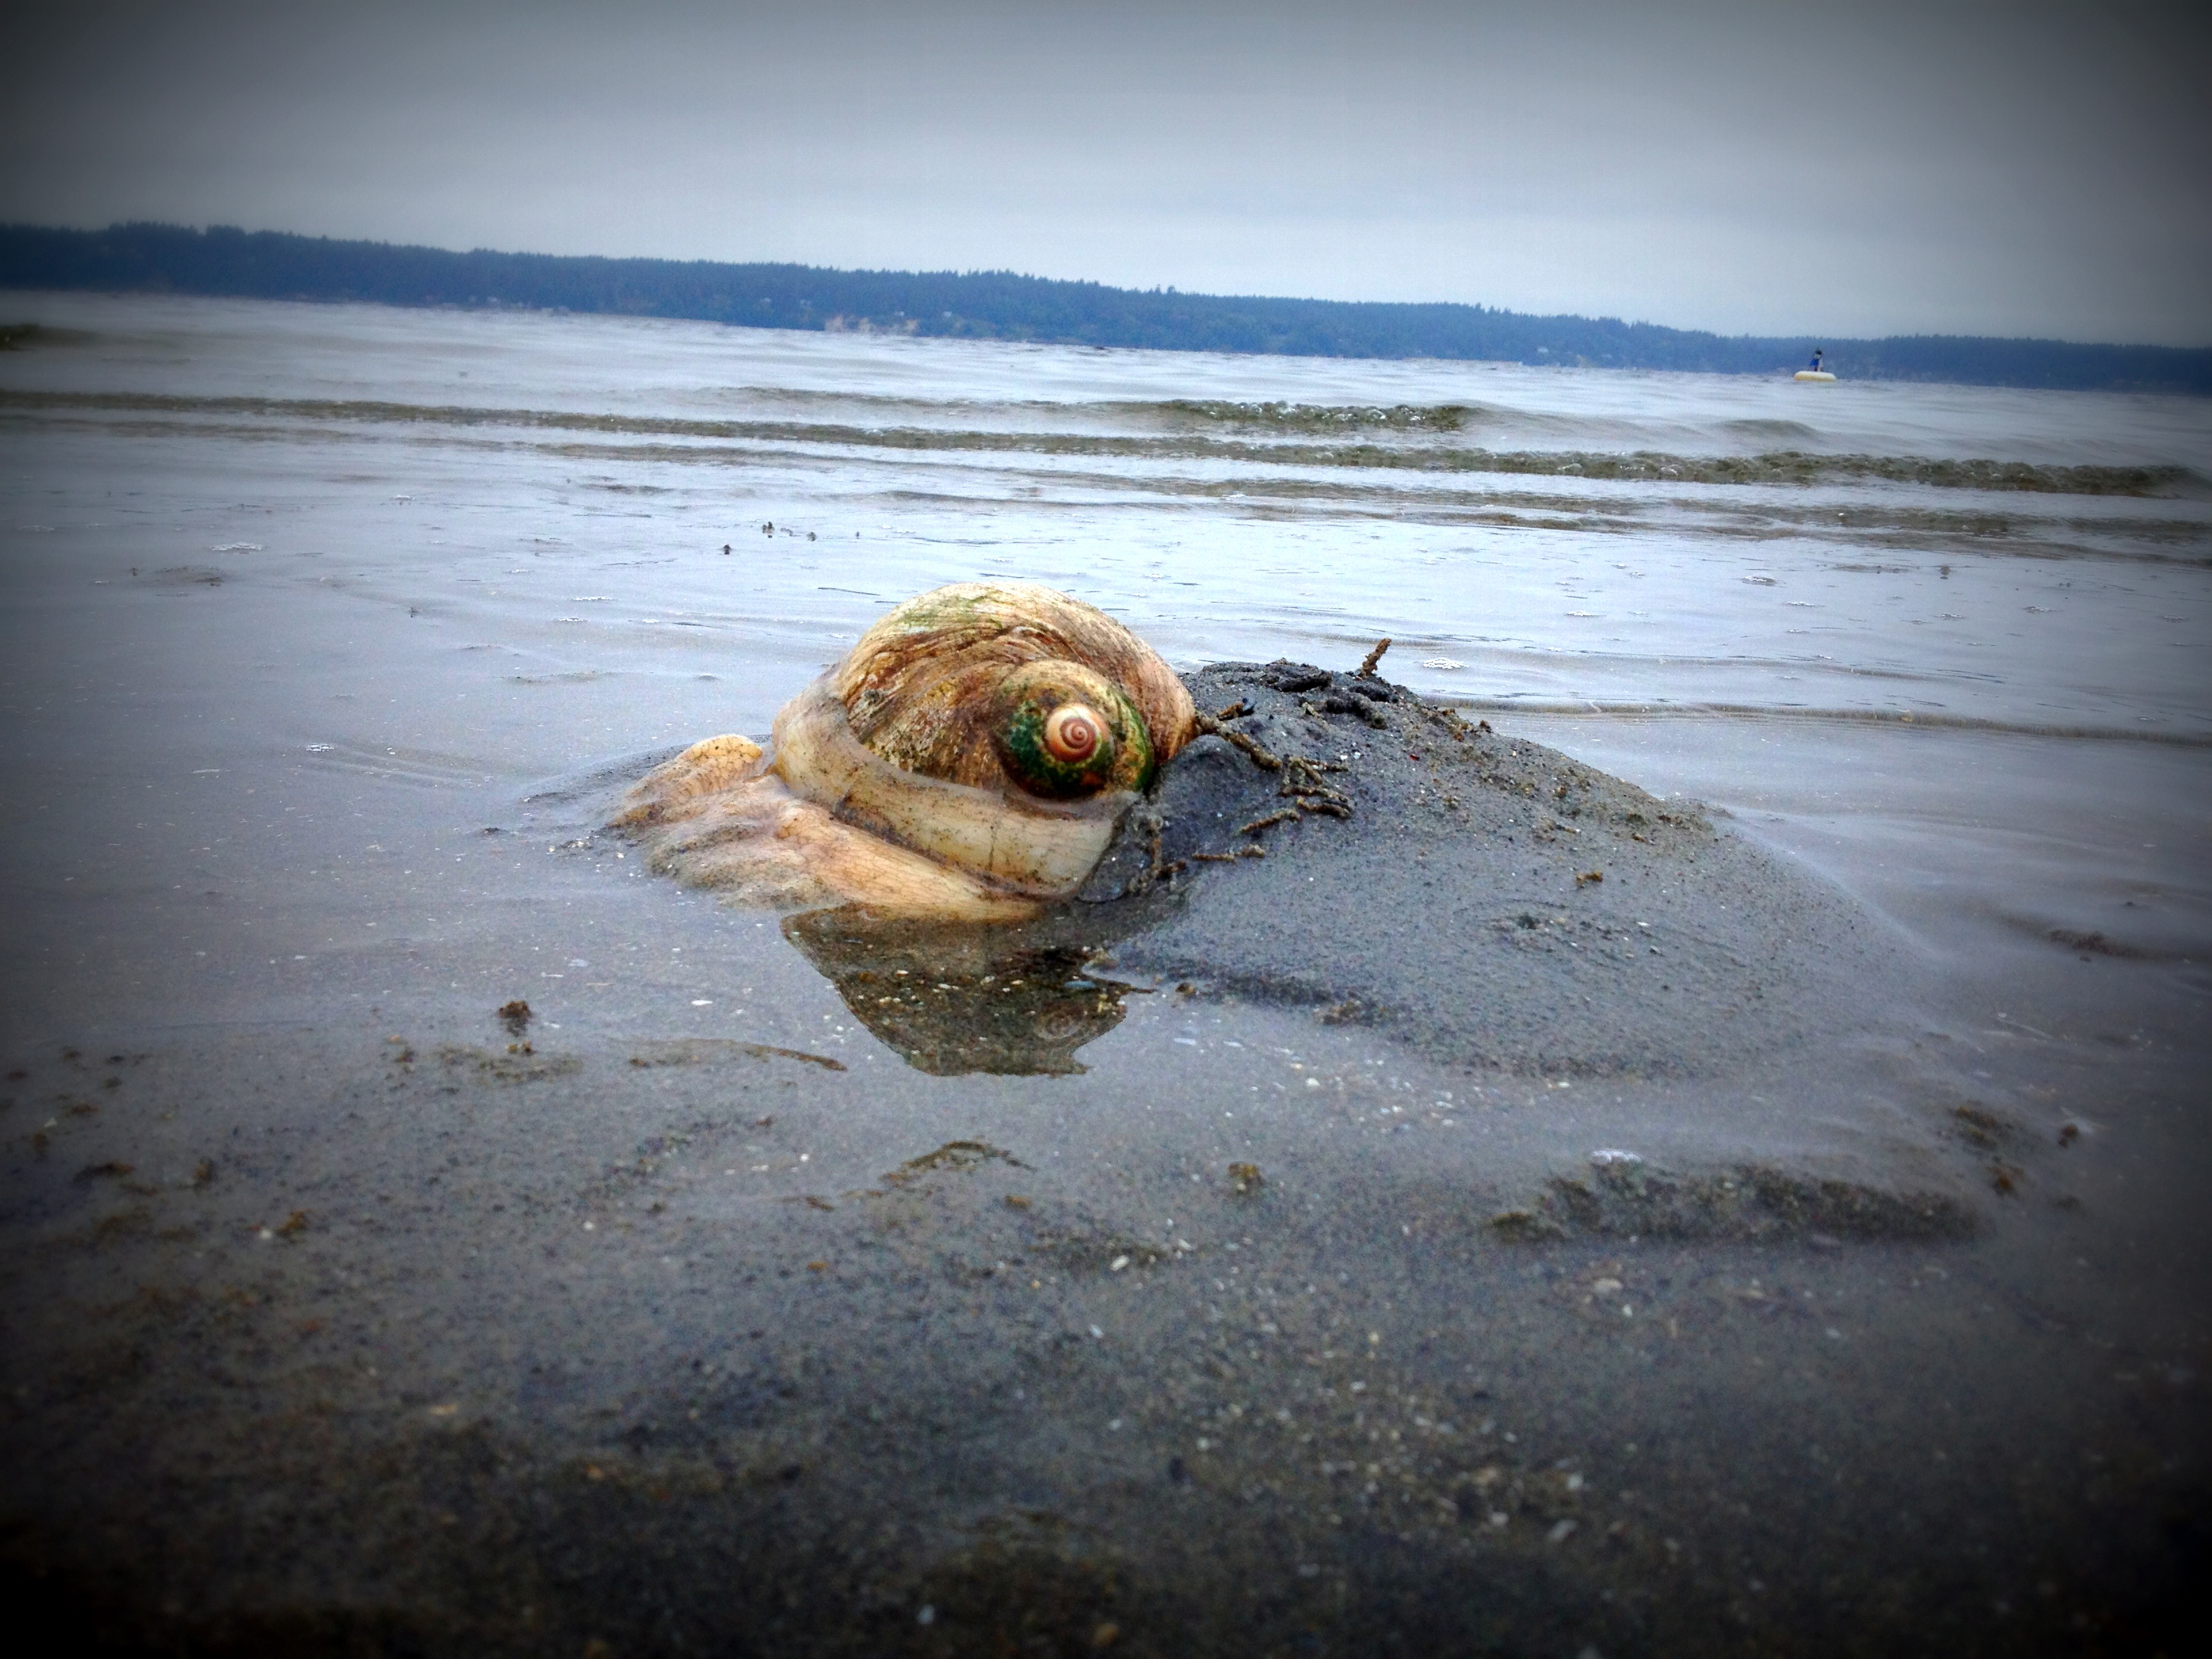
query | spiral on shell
[1071, 734]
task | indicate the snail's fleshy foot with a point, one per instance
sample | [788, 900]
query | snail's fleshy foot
[706, 768]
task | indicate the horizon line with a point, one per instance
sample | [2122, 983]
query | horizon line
[142, 256]
[1158, 290]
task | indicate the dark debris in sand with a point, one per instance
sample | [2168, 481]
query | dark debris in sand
[1626, 1198]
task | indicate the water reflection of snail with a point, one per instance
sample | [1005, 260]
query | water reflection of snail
[955, 998]
[968, 759]
[1060, 1021]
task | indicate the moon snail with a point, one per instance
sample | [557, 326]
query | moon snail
[969, 759]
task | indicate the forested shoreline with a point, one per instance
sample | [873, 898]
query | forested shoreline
[1001, 305]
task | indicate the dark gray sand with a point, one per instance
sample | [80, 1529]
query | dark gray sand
[1499, 1211]
[1487, 900]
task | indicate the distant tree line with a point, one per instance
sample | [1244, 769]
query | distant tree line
[1001, 305]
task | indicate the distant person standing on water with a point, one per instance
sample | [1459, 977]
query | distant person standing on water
[1817, 352]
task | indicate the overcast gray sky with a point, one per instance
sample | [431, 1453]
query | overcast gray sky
[1950, 166]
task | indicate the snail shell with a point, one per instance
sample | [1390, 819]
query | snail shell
[969, 758]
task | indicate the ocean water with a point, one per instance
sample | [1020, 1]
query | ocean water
[326, 626]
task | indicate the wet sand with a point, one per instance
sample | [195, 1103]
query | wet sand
[1634, 1264]
[735, 1300]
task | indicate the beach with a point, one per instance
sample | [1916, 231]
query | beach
[1792, 1236]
